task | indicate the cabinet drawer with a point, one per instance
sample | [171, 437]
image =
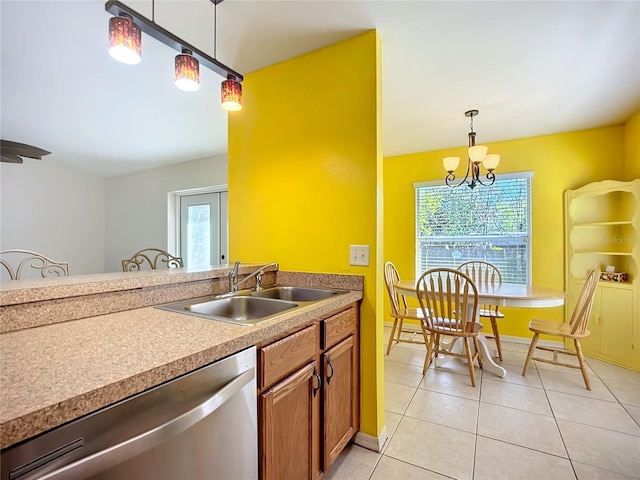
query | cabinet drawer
[339, 327]
[280, 358]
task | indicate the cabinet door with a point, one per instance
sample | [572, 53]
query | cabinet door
[616, 323]
[290, 421]
[341, 399]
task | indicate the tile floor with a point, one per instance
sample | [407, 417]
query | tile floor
[544, 426]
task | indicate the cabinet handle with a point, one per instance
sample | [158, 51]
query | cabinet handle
[315, 374]
[329, 377]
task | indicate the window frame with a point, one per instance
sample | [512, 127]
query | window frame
[499, 177]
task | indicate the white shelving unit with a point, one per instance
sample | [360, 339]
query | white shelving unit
[602, 228]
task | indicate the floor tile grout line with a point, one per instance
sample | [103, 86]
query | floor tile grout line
[417, 466]
[375, 467]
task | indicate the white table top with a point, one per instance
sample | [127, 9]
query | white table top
[505, 295]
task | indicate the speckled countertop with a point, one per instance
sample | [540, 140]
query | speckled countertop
[53, 373]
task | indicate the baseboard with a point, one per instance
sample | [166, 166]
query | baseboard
[370, 442]
[527, 341]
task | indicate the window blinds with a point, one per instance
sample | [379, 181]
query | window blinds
[455, 225]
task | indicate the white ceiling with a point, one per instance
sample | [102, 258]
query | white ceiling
[531, 68]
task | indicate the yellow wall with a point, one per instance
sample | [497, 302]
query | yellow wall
[632, 147]
[303, 171]
[560, 161]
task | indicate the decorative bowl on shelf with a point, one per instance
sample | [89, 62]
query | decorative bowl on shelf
[614, 277]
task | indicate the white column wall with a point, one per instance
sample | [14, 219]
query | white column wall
[54, 209]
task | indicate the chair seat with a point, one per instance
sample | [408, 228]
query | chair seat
[549, 327]
[411, 313]
[487, 313]
[442, 324]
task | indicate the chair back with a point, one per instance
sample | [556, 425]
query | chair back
[449, 301]
[14, 262]
[582, 310]
[482, 273]
[391, 277]
[153, 257]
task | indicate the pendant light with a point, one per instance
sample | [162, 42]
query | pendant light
[125, 32]
[231, 94]
[231, 89]
[125, 39]
[187, 71]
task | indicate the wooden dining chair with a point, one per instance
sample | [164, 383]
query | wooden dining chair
[575, 329]
[486, 274]
[449, 301]
[14, 261]
[153, 257]
[400, 311]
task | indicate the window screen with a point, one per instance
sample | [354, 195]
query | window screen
[455, 225]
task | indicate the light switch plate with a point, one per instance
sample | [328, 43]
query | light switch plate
[359, 255]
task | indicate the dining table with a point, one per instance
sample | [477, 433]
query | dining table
[503, 295]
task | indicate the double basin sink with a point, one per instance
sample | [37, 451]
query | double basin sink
[249, 307]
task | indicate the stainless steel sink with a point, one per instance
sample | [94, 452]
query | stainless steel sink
[249, 307]
[296, 294]
[238, 309]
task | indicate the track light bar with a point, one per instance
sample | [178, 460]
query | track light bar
[154, 30]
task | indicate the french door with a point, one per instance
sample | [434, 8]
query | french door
[203, 229]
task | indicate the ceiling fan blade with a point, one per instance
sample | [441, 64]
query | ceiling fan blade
[22, 149]
[10, 158]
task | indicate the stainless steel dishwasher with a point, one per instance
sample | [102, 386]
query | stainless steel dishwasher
[201, 426]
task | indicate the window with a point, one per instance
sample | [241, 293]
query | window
[455, 225]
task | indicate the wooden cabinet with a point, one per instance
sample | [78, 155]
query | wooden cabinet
[603, 228]
[309, 397]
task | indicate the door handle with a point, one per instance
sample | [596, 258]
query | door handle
[330, 376]
[120, 452]
[315, 374]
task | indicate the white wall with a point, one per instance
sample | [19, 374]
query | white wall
[136, 204]
[53, 209]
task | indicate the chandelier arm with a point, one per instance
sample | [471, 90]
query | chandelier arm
[491, 177]
[451, 177]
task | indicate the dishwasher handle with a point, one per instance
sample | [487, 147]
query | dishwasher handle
[120, 452]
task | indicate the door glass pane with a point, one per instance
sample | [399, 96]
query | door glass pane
[199, 235]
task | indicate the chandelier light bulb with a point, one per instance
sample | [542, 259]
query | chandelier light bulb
[477, 153]
[451, 163]
[491, 161]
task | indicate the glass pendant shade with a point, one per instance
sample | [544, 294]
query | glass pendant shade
[125, 40]
[231, 95]
[187, 72]
[477, 153]
[491, 161]
[450, 163]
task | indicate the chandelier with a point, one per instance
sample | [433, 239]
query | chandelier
[477, 154]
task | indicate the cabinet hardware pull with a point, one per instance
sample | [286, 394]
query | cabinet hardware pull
[315, 374]
[329, 377]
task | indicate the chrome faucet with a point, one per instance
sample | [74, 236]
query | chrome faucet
[234, 283]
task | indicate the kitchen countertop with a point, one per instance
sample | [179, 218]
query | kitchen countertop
[55, 373]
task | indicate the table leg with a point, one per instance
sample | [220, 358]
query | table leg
[452, 344]
[488, 363]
